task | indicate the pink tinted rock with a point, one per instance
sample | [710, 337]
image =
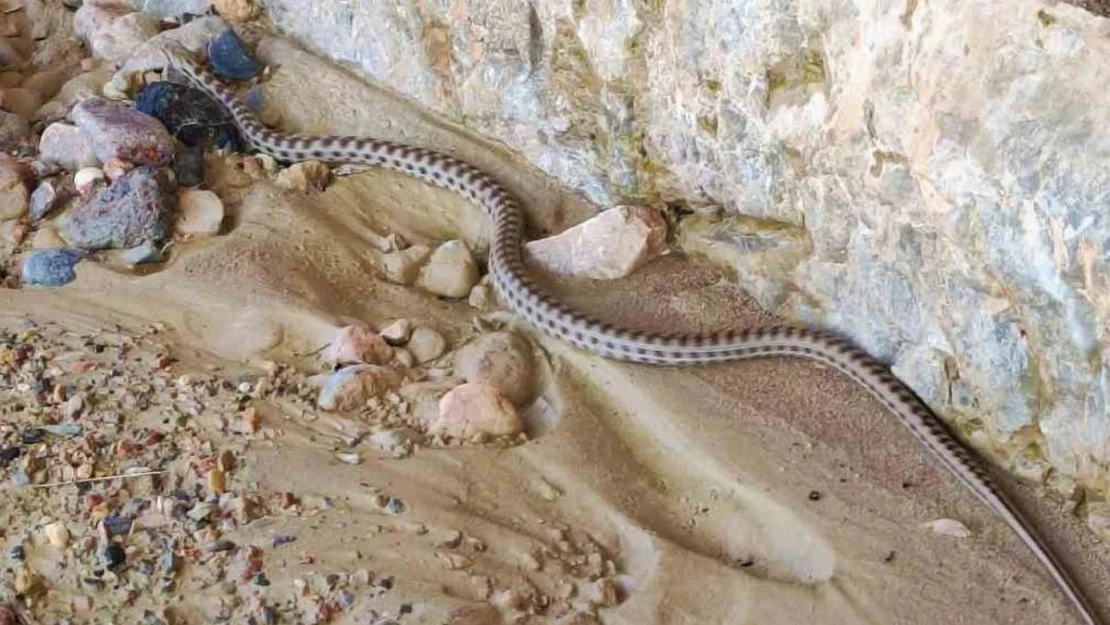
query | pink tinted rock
[605, 247]
[358, 345]
[351, 387]
[476, 408]
[117, 131]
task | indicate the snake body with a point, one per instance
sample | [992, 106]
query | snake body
[526, 299]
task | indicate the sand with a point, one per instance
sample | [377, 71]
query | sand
[771, 492]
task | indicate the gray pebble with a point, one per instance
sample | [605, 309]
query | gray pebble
[53, 267]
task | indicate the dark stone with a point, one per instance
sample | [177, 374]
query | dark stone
[50, 267]
[17, 554]
[190, 115]
[188, 166]
[113, 556]
[230, 58]
[7, 455]
[32, 436]
[137, 208]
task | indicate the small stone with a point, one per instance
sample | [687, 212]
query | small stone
[14, 194]
[66, 146]
[50, 267]
[252, 420]
[189, 114]
[349, 458]
[305, 176]
[116, 131]
[113, 556]
[236, 10]
[230, 58]
[451, 271]
[57, 533]
[949, 527]
[142, 254]
[28, 583]
[476, 408]
[47, 196]
[217, 481]
[357, 345]
[426, 344]
[397, 332]
[351, 387]
[608, 246]
[200, 213]
[22, 102]
[481, 297]
[117, 40]
[188, 166]
[73, 406]
[133, 210]
[14, 130]
[403, 357]
[403, 267]
[503, 359]
[87, 179]
[226, 461]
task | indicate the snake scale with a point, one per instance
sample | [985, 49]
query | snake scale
[526, 299]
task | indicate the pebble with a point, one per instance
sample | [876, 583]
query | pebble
[217, 481]
[50, 267]
[476, 408]
[236, 10]
[403, 357]
[14, 129]
[503, 359]
[188, 166]
[14, 194]
[133, 210]
[453, 561]
[22, 102]
[114, 556]
[230, 58]
[450, 271]
[47, 196]
[426, 344]
[116, 131]
[57, 533]
[142, 254]
[87, 178]
[397, 332]
[350, 387]
[403, 267]
[65, 145]
[200, 213]
[305, 176]
[949, 527]
[116, 168]
[481, 297]
[357, 345]
[116, 40]
[190, 115]
[349, 458]
[605, 247]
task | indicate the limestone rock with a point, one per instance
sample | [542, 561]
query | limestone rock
[950, 201]
[608, 246]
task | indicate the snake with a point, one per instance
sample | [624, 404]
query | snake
[525, 298]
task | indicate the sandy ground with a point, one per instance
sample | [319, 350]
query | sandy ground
[768, 492]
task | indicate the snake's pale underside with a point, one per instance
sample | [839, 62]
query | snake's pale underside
[525, 298]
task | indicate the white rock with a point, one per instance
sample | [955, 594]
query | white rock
[117, 41]
[426, 344]
[450, 272]
[65, 145]
[398, 332]
[473, 409]
[949, 527]
[481, 297]
[200, 212]
[86, 179]
[403, 267]
[389, 440]
[608, 246]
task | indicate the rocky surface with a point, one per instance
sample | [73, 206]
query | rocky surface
[941, 166]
